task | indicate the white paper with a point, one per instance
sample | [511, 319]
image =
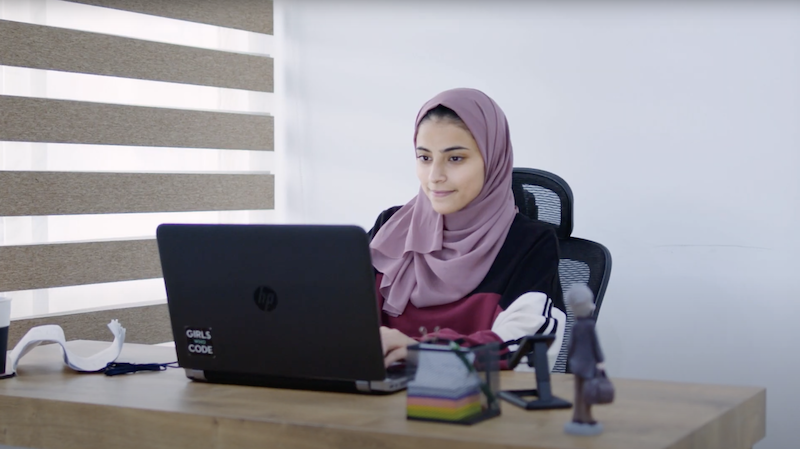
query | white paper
[5, 312]
[443, 369]
[52, 333]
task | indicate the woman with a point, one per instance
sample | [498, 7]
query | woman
[458, 257]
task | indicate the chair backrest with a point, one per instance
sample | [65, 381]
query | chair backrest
[586, 262]
[543, 196]
[546, 197]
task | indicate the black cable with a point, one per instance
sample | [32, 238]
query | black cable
[114, 368]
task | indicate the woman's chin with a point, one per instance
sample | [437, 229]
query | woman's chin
[443, 209]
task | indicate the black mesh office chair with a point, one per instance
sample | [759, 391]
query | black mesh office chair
[546, 197]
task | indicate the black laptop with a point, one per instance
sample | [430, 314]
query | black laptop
[289, 306]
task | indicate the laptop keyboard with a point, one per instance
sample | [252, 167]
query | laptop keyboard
[396, 371]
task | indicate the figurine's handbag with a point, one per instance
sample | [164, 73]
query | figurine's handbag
[598, 390]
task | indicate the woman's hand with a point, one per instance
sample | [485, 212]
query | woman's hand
[394, 345]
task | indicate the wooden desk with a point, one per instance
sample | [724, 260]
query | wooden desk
[49, 406]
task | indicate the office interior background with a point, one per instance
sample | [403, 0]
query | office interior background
[676, 124]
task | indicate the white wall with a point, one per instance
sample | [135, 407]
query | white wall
[678, 128]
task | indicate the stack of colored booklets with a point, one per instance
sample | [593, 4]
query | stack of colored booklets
[445, 386]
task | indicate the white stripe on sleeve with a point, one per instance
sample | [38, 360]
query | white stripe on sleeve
[531, 313]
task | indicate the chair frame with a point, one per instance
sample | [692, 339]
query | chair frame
[565, 228]
[605, 276]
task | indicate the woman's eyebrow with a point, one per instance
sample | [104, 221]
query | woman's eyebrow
[445, 150]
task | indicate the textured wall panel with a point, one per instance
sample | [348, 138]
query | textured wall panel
[62, 193]
[248, 15]
[49, 48]
[56, 265]
[24, 119]
[145, 324]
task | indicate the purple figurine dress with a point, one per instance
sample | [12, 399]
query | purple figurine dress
[583, 358]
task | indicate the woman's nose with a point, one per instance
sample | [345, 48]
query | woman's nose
[437, 173]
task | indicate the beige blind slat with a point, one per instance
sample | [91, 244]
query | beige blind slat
[248, 15]
[57, 265]
[59, 193]
[24, 119]
[51, 48]
[144, 324]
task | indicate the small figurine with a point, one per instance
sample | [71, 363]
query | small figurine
[585, 361]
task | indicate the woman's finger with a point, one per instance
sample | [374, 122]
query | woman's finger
[395, 355]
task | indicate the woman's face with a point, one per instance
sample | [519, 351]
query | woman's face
[449, 165]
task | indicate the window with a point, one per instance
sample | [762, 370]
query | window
[114, 121]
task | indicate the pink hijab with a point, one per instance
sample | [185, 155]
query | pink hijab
[431, 259]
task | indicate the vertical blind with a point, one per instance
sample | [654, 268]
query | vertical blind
[115, 116]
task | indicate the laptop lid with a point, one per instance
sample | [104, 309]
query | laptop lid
[294, 301]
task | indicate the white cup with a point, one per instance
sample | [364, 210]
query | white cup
[5, 321]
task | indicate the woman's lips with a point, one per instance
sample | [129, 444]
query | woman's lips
[441, 193]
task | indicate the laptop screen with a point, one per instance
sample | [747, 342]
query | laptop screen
[277, 300]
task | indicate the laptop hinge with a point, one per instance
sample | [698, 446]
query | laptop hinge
[195, 374]
[363, 386]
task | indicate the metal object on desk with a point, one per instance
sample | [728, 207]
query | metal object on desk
[535, 347]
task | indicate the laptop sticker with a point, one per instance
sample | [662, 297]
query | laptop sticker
[199, 341]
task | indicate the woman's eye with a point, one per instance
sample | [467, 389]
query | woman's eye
[457, 158]
[423, 158]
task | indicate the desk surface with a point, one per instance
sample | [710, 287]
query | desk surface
[49, 406]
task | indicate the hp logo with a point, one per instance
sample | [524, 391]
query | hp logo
[265, 298]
